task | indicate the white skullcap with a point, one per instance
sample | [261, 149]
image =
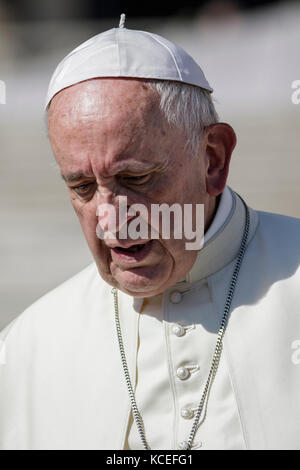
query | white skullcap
[122, 52]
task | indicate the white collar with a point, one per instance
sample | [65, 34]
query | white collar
[221, 215]
[223, 244]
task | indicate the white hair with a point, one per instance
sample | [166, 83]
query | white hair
[187, 107]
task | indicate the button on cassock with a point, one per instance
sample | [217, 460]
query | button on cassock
[182, 373]
[175, 297]
[183, 445]
[178, 330]
[187, 413]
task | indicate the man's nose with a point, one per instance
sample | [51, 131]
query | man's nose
[113, 215]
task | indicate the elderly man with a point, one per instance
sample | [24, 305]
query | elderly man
[155, 346]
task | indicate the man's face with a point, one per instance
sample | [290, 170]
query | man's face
[110, 140]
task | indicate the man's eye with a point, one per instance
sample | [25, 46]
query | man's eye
[136, 179]
[83, 189]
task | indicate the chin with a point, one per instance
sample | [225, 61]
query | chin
[140, 282]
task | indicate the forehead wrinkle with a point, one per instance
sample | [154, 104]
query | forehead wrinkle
[99, 99]
[129, 165]
[103, 143]
[134, 154]
[129, 130]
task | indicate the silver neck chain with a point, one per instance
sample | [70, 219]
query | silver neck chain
[186, 445]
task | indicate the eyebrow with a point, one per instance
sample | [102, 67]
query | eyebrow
[71, 177]
[135, 167]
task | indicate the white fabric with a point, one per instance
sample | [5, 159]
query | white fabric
[223, 211]
[121, 52]
[62, 386]
[161, 395]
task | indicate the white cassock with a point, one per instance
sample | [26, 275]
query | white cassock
[61, 380]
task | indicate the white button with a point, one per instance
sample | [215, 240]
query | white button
[175, 297]
[182, 373]
[196, 445]
[183, 445]
[178, 330]
[187, 413]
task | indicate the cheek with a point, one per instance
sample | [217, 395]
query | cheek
[183, 259]
[88, 220]
[86, 214]
[176, 249]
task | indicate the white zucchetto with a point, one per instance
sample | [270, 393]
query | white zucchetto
[122, 52]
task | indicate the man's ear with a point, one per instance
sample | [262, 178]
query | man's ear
[219, 141]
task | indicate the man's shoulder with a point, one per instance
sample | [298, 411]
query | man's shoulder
[277, 243]
[71, 291]
[280, 220]
[74, 296]
[280, 228]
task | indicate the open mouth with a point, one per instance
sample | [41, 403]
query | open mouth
[131, 249]
[134, 252]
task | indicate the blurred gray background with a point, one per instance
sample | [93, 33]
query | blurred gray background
[249, 52]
